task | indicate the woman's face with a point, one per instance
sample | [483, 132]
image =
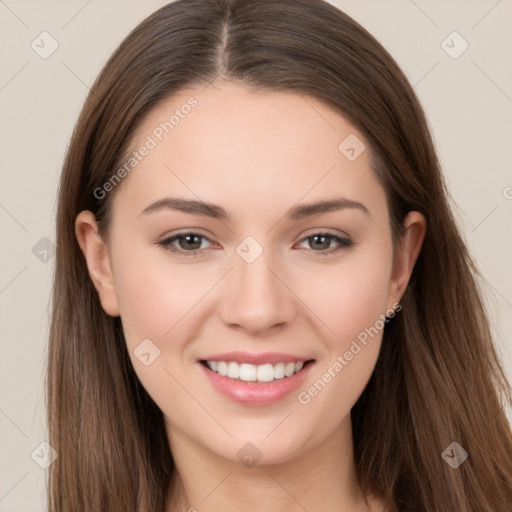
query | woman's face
[274, 280]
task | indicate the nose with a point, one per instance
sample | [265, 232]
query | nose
[257, 297]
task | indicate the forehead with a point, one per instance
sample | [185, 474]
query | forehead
[250, 144]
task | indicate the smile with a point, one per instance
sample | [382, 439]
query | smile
[249, 372]
[255, 379]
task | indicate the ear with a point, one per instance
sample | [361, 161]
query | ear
[406, 253]
[97, 258]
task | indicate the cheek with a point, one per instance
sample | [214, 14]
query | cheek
[351, 300]
[154, 293]
[156, 299]
[350, 297]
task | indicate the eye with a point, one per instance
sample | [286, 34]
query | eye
[189, 243]
[321, 243]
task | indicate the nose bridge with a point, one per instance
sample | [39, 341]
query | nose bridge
[256, 298]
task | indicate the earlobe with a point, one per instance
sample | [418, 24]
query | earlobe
[407, 251]
[97, 259]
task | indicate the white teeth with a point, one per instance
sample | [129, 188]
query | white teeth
[233, 371]
[247, 371]
[289, 369]
[279, 371]
[222, 368]
[265, 373]
[250, 372]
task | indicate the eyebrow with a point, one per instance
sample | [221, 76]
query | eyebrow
[217, 212]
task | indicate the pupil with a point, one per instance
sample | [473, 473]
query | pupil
[324, 244]
[188, 243]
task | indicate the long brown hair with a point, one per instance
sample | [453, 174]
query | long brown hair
[438, 379]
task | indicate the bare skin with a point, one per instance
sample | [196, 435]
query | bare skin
[257, 156]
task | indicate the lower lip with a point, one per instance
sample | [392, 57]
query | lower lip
[256, 393]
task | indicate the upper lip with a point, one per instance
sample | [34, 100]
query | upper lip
[256, 359]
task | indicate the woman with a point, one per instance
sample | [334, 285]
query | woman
[262, 300]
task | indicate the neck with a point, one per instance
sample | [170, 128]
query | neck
[320, 479]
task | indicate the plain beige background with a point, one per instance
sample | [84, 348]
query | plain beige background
[467, 100]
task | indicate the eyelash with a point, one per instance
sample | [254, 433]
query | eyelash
[344, 243]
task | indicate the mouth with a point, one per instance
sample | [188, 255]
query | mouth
[255, 380]
[246, 372]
